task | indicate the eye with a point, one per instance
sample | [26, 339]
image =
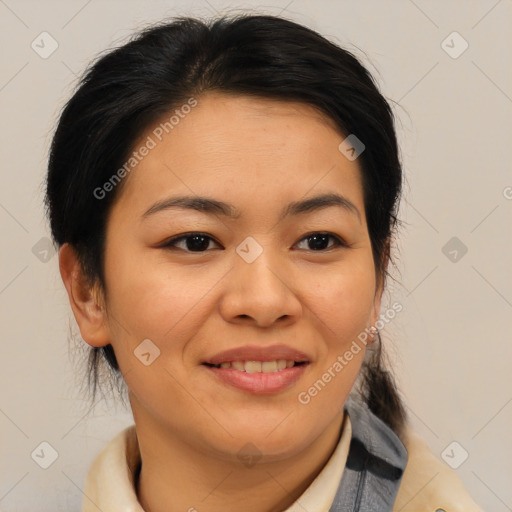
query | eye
[191, 242]
[199, 242]
[319, 240]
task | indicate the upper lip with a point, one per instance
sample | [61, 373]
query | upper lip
[258, 353]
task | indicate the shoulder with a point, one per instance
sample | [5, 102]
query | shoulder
[428, 484]
[109, 482]
[424, 483]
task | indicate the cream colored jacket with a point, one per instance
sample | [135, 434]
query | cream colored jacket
[428, 484]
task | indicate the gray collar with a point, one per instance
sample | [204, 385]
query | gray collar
[375, 464]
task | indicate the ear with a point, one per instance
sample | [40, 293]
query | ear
[379, 289]
[86, 301]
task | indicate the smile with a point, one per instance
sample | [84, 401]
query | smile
[258, 377]
[257, 366]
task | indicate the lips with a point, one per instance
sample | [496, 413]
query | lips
[258, 370]
[258, 353]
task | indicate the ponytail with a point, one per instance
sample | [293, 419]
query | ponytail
[378, 389]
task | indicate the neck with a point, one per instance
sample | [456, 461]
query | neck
[177, 476]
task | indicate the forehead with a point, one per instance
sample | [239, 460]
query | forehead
[244, 146]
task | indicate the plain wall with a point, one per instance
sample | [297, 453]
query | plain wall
[451, 345]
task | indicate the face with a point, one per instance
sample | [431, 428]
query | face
[252, 280]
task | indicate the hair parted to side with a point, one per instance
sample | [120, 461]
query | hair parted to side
[128, 89]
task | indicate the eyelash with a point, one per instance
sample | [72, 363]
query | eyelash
[170, 244]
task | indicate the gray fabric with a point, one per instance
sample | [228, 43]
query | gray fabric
[375, 464]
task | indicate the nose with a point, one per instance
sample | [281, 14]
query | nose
[260, 293]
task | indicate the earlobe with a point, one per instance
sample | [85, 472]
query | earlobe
[85, 299]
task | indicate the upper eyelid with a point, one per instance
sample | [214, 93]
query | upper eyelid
[341, 240]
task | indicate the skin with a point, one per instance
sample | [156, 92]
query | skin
[258, 155]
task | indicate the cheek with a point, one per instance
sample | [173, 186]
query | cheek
[152, 302]
[343, 299]
[149, 296]
[151, 299]
[157, 305]
[342, 307]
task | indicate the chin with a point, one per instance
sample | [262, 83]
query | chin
[279, 445]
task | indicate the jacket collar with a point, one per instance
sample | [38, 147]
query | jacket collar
[375, 464]
[375, 436]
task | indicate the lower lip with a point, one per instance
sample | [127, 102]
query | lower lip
[259, 383]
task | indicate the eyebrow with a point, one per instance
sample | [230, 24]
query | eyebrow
[215, 207]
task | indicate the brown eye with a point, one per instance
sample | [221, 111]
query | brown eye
[192, 242]
[320, 241]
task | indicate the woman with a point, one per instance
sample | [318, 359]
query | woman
[224, 197]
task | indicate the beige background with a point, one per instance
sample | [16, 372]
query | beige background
[451, 343]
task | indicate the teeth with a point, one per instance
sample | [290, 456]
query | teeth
[252, 366]
[269, 366]
[258, 366]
